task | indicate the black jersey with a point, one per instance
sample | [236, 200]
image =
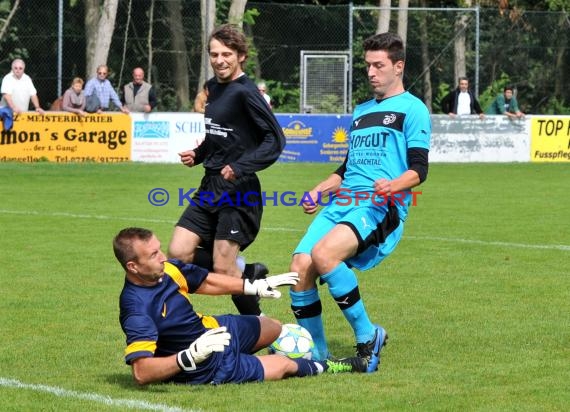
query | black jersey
[241, 130]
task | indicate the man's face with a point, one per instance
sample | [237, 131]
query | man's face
[148, 267]
[138, 76]
[102, 73]
[463, 85]
[508, 94]
[18, 69]
[383, 75]
[225, 62]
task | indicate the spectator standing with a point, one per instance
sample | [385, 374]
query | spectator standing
[138, 95]
[200, 100]
[101, 87]
[18, 89]
[262, 87]
[506, 103]
[74, 98]
[461, 101]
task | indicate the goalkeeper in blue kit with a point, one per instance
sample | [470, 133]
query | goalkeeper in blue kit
[363, 223]
[168, 341]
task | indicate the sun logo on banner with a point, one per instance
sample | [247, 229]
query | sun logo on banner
[340, 135]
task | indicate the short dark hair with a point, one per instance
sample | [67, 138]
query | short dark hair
[231, 36]
[389, 42]
[123, 243]
[508, 87]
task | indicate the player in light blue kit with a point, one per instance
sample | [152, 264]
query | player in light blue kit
[364, 221]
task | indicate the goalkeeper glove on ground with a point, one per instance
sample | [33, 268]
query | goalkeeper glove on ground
[214, 340]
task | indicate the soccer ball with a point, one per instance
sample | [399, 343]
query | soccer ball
[294, 341]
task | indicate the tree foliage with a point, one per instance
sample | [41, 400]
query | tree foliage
[524, 41]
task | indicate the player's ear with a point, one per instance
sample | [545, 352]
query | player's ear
[131, 266]
[399, 67]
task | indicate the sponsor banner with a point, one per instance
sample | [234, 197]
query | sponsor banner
[470, 139]
[66, 137]
[315, 138]
[550, 139]
[159, 137]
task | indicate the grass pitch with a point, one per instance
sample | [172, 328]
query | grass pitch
[476, 298]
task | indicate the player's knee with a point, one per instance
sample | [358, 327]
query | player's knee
[321, 259]
[270, 327]
[175, 252]
[301, 264]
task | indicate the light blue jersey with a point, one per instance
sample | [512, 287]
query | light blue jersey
[381, 133]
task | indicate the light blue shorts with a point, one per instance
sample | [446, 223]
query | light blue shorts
[378, 229]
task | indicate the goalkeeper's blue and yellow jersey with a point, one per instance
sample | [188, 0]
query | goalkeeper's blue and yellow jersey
[160, 320]
[381, 133]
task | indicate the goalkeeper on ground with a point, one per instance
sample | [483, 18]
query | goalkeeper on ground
[168, 341]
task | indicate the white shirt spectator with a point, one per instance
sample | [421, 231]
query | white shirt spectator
[463, 104]
[21, 90]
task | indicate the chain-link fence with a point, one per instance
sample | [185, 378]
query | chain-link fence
[529, 50]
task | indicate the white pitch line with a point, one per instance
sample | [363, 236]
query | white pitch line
[564, 248]
[82, 216]
[64, 393]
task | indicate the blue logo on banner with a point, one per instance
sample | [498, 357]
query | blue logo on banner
[315, 138]
[149, 129]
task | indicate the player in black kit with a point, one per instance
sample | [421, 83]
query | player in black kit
[242, 137]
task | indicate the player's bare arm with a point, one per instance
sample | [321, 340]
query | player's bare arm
[331, 184]
[217, 284]
[148, 370]
[405, 181]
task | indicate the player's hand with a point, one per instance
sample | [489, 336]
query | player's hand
[214, 340]
[265, 287]
[383, 187]
[187, 157]
[228, 173]
[311, 206]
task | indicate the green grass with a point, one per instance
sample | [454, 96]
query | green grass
[476, 298]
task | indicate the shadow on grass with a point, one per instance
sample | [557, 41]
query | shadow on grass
[125, 381]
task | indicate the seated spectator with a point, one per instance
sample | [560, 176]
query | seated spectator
[101, 87]
[74, 98]
[506, 103]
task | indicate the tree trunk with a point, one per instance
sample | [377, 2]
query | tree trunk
[105, 30]
[237, 9]
[149, 42]
[384, 17]
[560, 70]
[181, 76]
[208, 16]
[403, 20]
[7, 21]
[428, 93]
[91, 22]
[459, 64]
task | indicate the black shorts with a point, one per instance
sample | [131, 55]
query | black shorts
[224, 210]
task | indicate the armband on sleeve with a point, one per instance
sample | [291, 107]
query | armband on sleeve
[418, 162]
